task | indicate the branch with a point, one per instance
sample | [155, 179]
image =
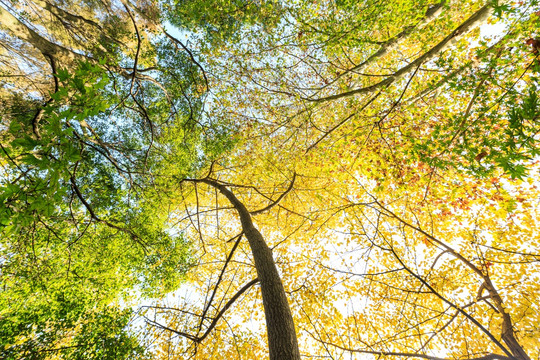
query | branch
[39, 114]
[431, 13]
[448, 302]
[198, 339]
[175, 40]
[245, 217]
[220, 277]
[507, 329]
[186, 335]
[136, 60]
[342, 122]
[226, 307]
[46, 47]
[414, 355]
[464, 28]
[94, 216]
[278, 199]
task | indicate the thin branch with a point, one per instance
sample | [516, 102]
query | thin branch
[226, 307]
[220, 277]
[278, 199]
[414, 355]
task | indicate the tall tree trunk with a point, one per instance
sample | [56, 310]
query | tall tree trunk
[282, 340]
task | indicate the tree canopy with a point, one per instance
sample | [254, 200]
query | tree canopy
[285, 179]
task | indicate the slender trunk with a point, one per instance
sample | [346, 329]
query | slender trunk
[514, 349]
[282, 341]
[475, 20]
[507, 328]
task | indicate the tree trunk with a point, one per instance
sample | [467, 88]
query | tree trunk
[282, 341]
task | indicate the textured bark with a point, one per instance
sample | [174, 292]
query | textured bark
[282, 341]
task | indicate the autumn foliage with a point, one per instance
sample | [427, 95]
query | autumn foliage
[243, 180]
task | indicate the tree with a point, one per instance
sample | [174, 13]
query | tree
[79, 233]
[73, 244]
[339, 103]
[285, 117]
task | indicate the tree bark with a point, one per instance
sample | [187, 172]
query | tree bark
[282, 340]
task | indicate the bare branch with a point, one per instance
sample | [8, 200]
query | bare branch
[278, 199]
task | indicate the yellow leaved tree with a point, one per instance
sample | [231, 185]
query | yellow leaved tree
[383, 156]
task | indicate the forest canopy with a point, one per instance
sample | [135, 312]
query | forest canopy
[235, 179]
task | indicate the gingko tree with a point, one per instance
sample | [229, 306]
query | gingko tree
[404, 128]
